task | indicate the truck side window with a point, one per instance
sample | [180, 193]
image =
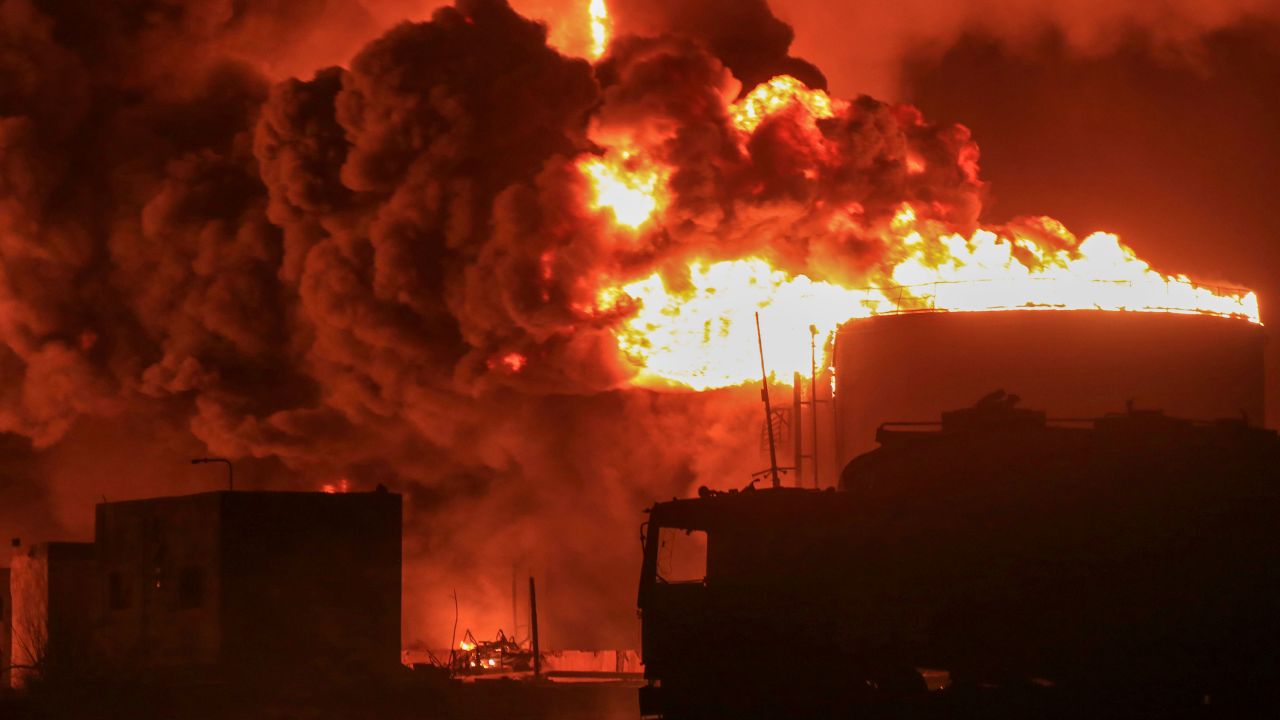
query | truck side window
[682, 555]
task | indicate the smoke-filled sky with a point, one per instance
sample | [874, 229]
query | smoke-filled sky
[303, 234]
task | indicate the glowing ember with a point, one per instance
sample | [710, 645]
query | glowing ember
[514, 361]
[774, 96]
[599, 27]
[626, 185]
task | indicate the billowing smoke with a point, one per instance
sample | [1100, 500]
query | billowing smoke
[1170, 144]
[861, 45]
[1108, 115]
[388, 271]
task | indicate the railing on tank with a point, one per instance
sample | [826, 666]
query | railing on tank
[1061, 293]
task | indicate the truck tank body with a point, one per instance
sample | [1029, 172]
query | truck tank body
[1123, 561]
[1077, 363]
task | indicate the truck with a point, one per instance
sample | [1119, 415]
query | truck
[1132, 558]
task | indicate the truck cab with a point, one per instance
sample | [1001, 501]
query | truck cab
[742, 599]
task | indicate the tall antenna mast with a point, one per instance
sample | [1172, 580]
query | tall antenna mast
[768, 409]
[813, 399]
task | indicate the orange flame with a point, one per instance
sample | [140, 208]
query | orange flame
[343, 485]
[514, 361]
[600, 27]
[625, 184]
[699, 332]
[703, 335]
[775, 96]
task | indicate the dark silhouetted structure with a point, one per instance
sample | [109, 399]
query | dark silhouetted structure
[244, 584]
[1134, 558]
[52, 589]
[6, 611]
[1079, 364]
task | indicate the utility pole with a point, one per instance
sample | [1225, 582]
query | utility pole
[813, 399]
[231, 475]
[768, 410]
[797, 426]
[533, 629]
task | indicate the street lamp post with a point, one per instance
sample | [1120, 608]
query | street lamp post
[231, 475]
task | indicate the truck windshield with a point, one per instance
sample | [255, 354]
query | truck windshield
[682, 555]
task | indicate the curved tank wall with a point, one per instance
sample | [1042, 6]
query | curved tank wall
[1071, 364]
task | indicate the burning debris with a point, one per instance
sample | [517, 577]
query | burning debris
[498, 656]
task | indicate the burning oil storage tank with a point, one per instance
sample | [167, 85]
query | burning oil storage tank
[1074, 364]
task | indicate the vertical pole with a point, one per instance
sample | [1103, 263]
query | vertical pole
[813, 399]
[533, 629]
[837, 439]
[515, 613]
[453, 645]
[797, 434]
[768, 409]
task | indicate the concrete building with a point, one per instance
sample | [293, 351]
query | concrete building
[239, 583]
[52, 606]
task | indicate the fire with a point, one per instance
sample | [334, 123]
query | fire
[774, 96]
[514, 361]
[1001, 271]
[702, 335]
[343, 485]
[599, 27]
[631, 186]
[625, 184]
[694, 326]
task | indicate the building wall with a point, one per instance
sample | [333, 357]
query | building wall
[6, 618]
[53, 607]
[159, 583]
[250, 583]
[312, 580]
